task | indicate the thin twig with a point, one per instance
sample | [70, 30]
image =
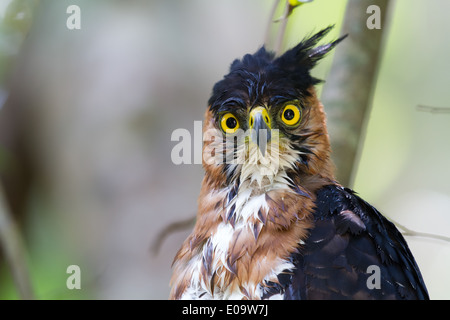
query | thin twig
[269, 24]
[13, 248]
[168, 230]
[282, 31]
[433, 109]
[412, 233]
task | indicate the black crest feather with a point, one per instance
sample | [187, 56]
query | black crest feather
[306, 54]
[263, 78]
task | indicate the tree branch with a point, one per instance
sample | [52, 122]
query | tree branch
[283, 20]
[347, 96]
[12, 245]
[269, 24]
[348, 91]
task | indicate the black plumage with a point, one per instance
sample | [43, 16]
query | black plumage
[262, 78]
[350, 236]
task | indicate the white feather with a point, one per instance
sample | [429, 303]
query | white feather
[258, 174]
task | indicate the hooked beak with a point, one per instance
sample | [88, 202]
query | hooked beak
[259, 122]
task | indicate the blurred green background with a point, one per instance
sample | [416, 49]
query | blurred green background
[86, 118]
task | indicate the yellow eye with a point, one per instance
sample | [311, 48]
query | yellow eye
[291, 115]
[229, 123]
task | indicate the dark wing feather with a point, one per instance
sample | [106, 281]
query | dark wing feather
[349, 236]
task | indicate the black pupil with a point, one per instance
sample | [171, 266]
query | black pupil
[289, 114]
[231, 123]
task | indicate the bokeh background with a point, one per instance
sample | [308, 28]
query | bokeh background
[86, 118]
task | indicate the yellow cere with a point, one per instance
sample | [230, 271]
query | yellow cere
[264, 114]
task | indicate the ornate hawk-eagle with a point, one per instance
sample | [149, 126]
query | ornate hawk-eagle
[273, 222]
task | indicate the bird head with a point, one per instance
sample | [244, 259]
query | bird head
[264, 123]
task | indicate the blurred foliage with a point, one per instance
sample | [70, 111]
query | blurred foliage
[16, 19]
[47, 259]
[15, 22]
